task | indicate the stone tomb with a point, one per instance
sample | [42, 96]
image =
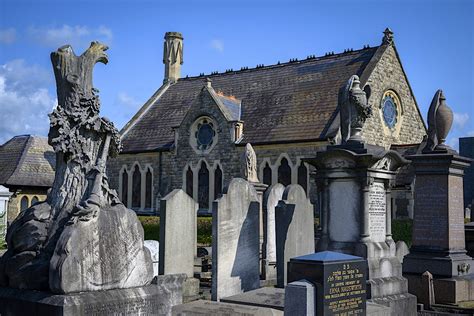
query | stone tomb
[235, 240]
[354, 181]
[294, 228]
[272, 196]
[340, 281]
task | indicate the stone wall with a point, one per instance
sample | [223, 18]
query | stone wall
[14, 204]
[410, 129]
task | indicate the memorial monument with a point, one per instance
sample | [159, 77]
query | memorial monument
[82, 238]
[438, 225]
[354, 180]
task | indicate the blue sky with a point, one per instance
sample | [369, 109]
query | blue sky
[435, 40]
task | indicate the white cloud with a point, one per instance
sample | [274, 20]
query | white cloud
[460, 119]
[125, 99]
[470, 133]
[217, 45]
[453, 142]
[7, 36]
[24, 100]
[78, 36]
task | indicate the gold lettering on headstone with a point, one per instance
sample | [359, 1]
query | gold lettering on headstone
[346, 291]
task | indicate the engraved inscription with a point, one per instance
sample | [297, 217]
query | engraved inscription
[345, 293]
[377, 212]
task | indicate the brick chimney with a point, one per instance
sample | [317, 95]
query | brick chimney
[172, 56]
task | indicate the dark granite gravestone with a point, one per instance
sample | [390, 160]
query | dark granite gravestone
[340, 281]
[466, 149]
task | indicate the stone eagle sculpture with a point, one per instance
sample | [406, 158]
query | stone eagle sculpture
[354, 109]
[82, 238]
[440, 120]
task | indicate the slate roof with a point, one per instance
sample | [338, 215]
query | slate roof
[294, 101]
[27, 161]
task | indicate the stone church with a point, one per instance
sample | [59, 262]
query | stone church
[192, 132]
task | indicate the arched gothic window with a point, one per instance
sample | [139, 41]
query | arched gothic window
[34, 200]
[267, 174]
[217, 182]
[125, 187]
[203, 186]
[303, 176]
[148, 188]
[189, 182]
[136, 187]
[24, 203]
[284, 172]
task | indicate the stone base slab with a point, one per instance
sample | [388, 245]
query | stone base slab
[439, 265]
[270, 297]
[200, 308]
[447, 290]
[190, 290]
[377, 310]
[154, 299]
[400, 304]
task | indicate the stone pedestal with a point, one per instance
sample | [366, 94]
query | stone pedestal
[339, 280]
[438, 225]
[155, 299]
[355, 181]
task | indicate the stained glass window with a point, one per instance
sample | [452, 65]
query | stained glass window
[284, 173]
[136, 187]
[125, 187]
[389, 111]
[203, 187]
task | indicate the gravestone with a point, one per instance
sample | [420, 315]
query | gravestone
[235, 240]
[438, 244]
[177, 233]
[340, 281]
[354, 180]
[81, 250]
[4, 198]
[272, 196]
[294, 228]
[154, 247]
[300, 298]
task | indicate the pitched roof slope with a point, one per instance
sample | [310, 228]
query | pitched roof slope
[27, 161]
[295, 101]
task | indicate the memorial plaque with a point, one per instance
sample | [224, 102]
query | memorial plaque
[340, 280]
[377, 212]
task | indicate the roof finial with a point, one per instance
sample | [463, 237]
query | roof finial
[387, 36]
[208, 82]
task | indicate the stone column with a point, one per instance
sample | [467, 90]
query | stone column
[388, 227]
[364, 210]
[260, 188]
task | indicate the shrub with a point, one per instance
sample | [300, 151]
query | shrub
[402, 230]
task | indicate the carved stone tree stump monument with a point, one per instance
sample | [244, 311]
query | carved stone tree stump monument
[354, 181]
[82, 238]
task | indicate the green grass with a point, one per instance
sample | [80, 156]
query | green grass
[151, 227]
[402, 229]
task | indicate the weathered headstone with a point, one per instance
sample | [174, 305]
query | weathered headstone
[154, 247]
[294, 228]
[272, 196]
[340, 281]
[235, 240]
[82, 238]
[300, 298]
[178, 213]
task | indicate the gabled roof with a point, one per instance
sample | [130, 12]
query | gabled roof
[27, 161]
[294, 101]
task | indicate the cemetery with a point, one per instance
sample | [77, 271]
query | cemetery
[265, 247]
